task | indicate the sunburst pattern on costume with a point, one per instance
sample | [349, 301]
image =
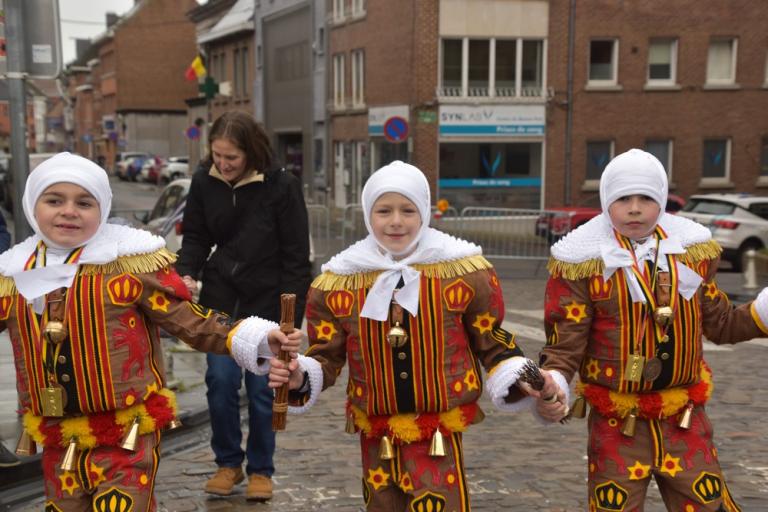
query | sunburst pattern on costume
[96, 475]
[671, 465]
[325, 331]
[593, 368]
[711, 290]
[151, 388]
[575, 311]
[406, 482]
[377, 478]
[68, 482]
[159, 301]
[639, 471]
[470, 379]
[484, 322]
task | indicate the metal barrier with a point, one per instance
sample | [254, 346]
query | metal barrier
[319, 230]
[352, 225]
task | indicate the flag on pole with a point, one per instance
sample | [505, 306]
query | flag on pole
[195, 70]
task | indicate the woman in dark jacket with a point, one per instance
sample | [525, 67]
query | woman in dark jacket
[254, 218]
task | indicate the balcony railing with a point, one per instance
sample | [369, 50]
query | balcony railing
[503, 93]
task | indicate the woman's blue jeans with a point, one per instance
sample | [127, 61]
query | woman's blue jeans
[224, 379]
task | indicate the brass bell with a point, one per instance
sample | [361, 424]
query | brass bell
[397, 336]
[174, 423]
[55, 331]
[386, 452]
[349, 428]
[69, 462]
[437, 447]
[132, 438]
[579, 407]
[628, 429]
[663, 315]
[685, 418]
[26, 445]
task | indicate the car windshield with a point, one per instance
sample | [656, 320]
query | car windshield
[709, 207]
[759, 209]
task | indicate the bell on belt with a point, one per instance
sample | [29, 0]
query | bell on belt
[437, 447]
[663, 315]
[132, 438]
[349, 428]
[386, 452]
[579, 407]
[69, 462]
[26, 446]
[628, 429]
[55, 332]
[685, 418]
[397, 336]
[174, 423]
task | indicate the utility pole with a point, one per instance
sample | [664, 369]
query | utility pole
[17, 101]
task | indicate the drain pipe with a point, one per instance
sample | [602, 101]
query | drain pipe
[569, 100]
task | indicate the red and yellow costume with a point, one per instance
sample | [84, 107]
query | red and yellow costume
[594, 327]
[110, 368]
[407, 393]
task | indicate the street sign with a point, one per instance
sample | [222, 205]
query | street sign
[193, 132]
[42, 38]
[396, 129]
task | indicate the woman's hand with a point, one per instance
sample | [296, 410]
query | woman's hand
[190, 283]
[288, 342]
[280, 373]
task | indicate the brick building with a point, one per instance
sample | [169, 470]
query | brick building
[686, 83]
[128, 88]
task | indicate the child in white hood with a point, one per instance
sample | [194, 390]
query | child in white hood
[82, 301]
[417, 314]
[630, 295]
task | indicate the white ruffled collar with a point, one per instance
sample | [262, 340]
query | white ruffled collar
[586, 242]
[364, 256]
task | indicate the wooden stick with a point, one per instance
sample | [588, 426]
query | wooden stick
[280, 405]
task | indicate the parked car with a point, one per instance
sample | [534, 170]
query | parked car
[558, 221]
[739, 222]
[129, 165]
[150, 171]
[174, 168]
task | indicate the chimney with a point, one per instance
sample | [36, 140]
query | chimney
[81, 46]
[112, 18]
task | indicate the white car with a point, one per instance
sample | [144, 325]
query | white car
[739, 222]
[174, 168]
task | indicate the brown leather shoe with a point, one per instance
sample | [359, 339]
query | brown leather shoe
[259, 487]
[224, 480]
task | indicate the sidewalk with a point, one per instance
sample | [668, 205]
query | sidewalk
[523, 283]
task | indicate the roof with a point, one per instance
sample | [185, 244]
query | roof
[238, 19]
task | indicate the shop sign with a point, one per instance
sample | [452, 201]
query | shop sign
[491, 120]
[490, 182]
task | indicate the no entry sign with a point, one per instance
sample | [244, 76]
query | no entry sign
[396, 129]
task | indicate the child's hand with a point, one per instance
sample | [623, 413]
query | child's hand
[280, 341]
[190, 283]
[280, 373]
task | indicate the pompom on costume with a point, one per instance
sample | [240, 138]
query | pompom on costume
[627, 317]
[413, 389]
[83, 322]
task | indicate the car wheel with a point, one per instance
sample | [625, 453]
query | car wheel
[740, 261]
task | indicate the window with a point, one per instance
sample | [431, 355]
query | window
[599, 153]
[244, 71]
[603, 57]
[721, 62]
[358, 7]
[338, 10]
[338, 81]
[479, 67]
[661, 149]
[493, 68]
[237, 70]
[358, 78]
[662, 62]
[764, 157]
[452, 67]
[716, 158]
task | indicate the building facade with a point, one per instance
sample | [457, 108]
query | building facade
[688, 85]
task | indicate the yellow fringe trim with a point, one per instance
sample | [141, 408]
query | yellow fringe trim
[328, 281]
[404, 427]
[137, 263]
[79, 427]
[572, 271]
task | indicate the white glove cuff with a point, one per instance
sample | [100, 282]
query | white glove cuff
[505, 375]
[315, 372]
[250, 346]
[760, 310]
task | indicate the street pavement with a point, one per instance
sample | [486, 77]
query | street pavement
[513, 463]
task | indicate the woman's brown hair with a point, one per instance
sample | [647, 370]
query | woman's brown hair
[244, 132]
